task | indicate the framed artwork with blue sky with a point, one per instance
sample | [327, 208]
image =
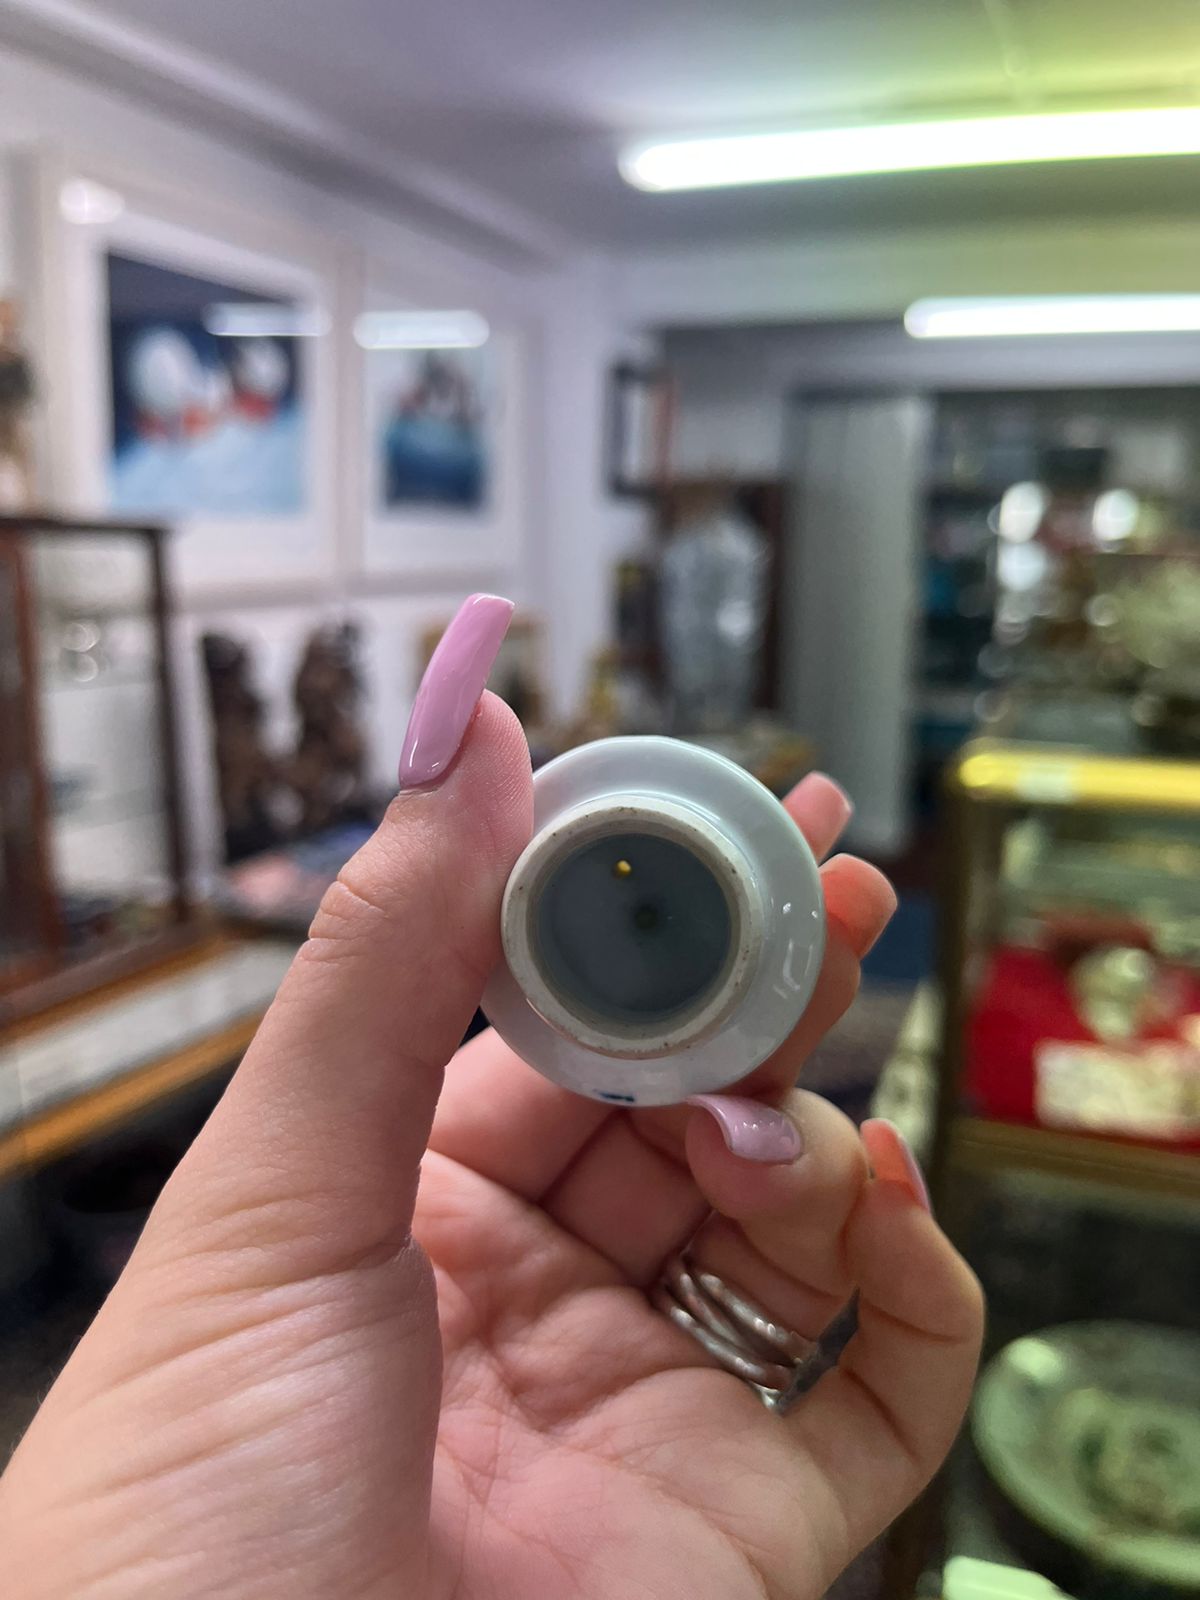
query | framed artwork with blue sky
[193, 378]
[208, 406]
[442, 403]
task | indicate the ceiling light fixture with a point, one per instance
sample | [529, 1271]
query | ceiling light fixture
[712, 163]
[420, 330]
[1028, 316]
[249, 319]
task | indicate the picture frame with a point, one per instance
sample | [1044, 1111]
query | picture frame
[262, 542]
[442, 497]
[640, 419]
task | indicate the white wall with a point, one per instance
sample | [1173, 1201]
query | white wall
[561, 310]
[850, 600]
[877, 274]
[728, 423]
[40, 102]
[9, 267]
[587, 530]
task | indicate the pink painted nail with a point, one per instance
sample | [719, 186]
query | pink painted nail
[451, 687]
[824, 807]
[892, 1159]
[752, 1130]
[864, 910]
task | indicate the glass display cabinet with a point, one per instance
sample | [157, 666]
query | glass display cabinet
[1066, 1165]
[1070, 967]
[91, 836]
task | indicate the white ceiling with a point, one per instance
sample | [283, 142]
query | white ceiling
[527, 101]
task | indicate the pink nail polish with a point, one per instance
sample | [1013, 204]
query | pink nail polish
[752, 1130]
[826, 807]
[451, 687]
[863, 915]
[892, 1159]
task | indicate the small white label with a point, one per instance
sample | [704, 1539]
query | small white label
[1152, 1090]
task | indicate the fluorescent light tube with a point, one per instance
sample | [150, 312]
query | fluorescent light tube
[711, 163]
[248, 319]
[420, 330]
[1024, 316]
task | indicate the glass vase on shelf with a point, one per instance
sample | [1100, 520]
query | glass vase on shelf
[714, 611]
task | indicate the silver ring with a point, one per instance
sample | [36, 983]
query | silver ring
[778, 1363]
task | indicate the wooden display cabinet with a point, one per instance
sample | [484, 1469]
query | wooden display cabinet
[91, 831]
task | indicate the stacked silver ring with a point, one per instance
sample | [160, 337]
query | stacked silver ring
[736, 1331]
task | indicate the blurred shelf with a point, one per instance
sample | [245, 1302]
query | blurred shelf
[135, 806]
[769, 751]
[976, 494]
[947, 702]
[96, 1059]
[1012, 774]
[102, 680]
[979, 1145]
[65, 1127]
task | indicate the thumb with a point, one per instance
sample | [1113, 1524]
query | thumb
[273, 1343]
[316, 1146]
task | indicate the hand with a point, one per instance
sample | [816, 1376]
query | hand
[314, 1382]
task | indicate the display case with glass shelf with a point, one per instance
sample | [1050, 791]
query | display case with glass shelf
[1061, 561]
[1065, 1158]
[1070, 968]
[91, 845]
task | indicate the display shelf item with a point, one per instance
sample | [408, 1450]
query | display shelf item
[91, 835]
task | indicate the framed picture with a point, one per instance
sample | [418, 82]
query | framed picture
[434, 439]
[204, 421]
[640, 418]
[192, 373]
[442, 440]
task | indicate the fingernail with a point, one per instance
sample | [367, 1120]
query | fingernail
[752, 1130]
[826, 809]
[866, 913]
[451, 687]
[892, 1159]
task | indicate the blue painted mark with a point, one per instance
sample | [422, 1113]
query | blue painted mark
[624, 1099]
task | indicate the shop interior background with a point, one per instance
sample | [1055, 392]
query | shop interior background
[367, 318]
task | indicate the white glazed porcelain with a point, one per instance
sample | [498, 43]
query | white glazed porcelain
[772, 893]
